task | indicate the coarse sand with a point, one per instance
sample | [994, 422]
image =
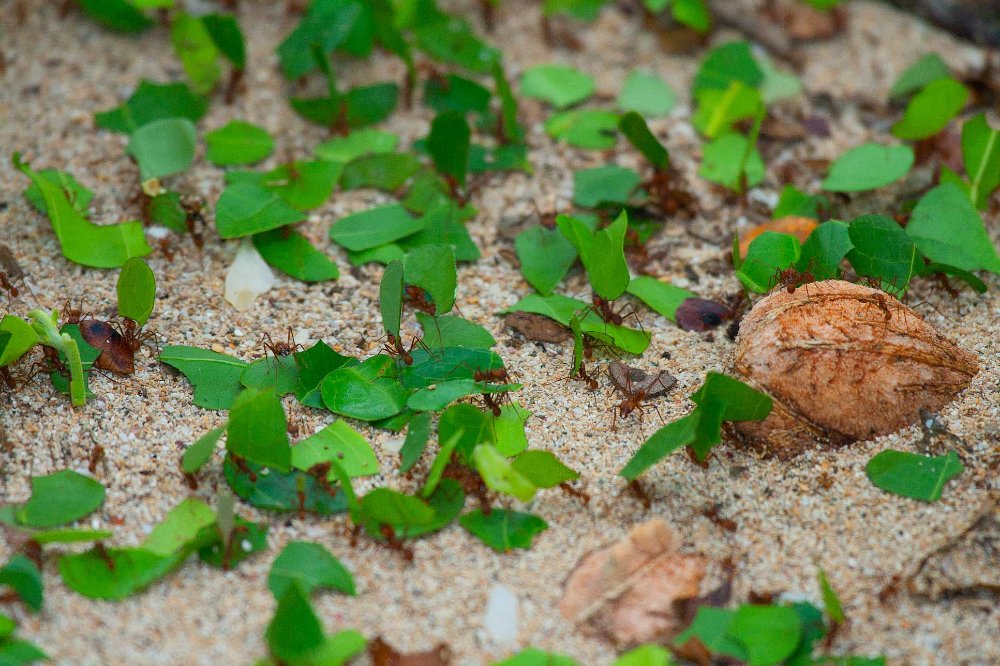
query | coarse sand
[816, 510]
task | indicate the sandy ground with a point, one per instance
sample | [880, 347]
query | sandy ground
[60, 71]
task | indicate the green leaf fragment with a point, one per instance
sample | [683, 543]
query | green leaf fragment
[150, 102]
[293, 254]
[947, 229]
[545, 256]
[336, 442]
[257, 429]
[374, 227]
[201, 451]
[215, 376]
[882, 250]
[163, 147]
[635, 129]
[179, 528]
[931, 109]
[311, 566]
[662, 297]
[591, 129]
[245, 209]
[136, 290]
[24, 578]
[238, 142]
[559, 85]
[85, 243]
[432, 268]
[914, 476]
[59, 498]
[503, 530]
[646, 94]
[926, 70]
[114, 573]
[196, 50]
[868, 167]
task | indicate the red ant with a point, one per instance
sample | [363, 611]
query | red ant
[416, 297]
[287, 347]
[103, 553]
[96, 456]
[636, 385]
[394, 347]
[605, 310]
[472, 483]
[636, 490]
[11, 273]
[494, 376]
[790, 279]
[585, 377]
[195, 221]
[395, 543]
[573, 492]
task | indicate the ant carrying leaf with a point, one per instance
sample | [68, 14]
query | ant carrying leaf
[637, 386]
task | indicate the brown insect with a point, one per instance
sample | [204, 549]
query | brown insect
[383, 654]
[635, 489]
[493, 376]
[395, 543]
[96, 457]
[575, 492]
[118, 343]
[712, 513]
[195, 220]
[394, 348]
[790, 279]
[637, 386]
[606, 311]
[282, 348]
[669, 199]
[470, 480]
[738, 304]
[103, 553]
[417, 298]
[585, 377]
[11, 273]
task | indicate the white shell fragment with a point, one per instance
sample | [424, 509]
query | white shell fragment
[501, 615]
[248, 277]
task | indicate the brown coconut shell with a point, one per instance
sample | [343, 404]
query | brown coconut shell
[843, 362]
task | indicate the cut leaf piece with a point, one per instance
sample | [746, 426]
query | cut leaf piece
[88, 244]
[201, 451]
[947, 229]
[275, 491]
[336, 442]
[153, 101]
[24, 578]
[559, 85]
[591, 129]
[363, 392]
[59, 498]
[545, 255]
[292, 253]
[931, 109]
[432, 268]
[257, 429]
[238, 142]
[882, 250]
[868, 167]
[114, 573]
[245, 209]
[163, 147]
[215, 376]
[601, 252]
[503, 530]
[911, 475]
[646, 94]
[136, 291]
[662, 297]
[311, 566]
[374, 227]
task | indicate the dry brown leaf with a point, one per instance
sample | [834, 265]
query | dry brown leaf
[843, 363]
[536, 327]
[800, 227]
[803, 22]
[631, 380]
[627, 591]
[383, 654]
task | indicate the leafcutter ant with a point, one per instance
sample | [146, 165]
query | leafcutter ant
[637, 386]
[11, 273]
[585, 377]
[96, 457]
[635, 489]
[394, 347]
[790, 279]
[282, 348]
[103, 553]
[471, 483]
[417, 298]
[712, 513]
[574, 492]
[395, 543]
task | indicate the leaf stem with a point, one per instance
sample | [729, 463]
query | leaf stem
[46, 325]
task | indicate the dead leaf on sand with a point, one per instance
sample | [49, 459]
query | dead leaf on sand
[383, 654]
[536, 327]
[628, 591]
